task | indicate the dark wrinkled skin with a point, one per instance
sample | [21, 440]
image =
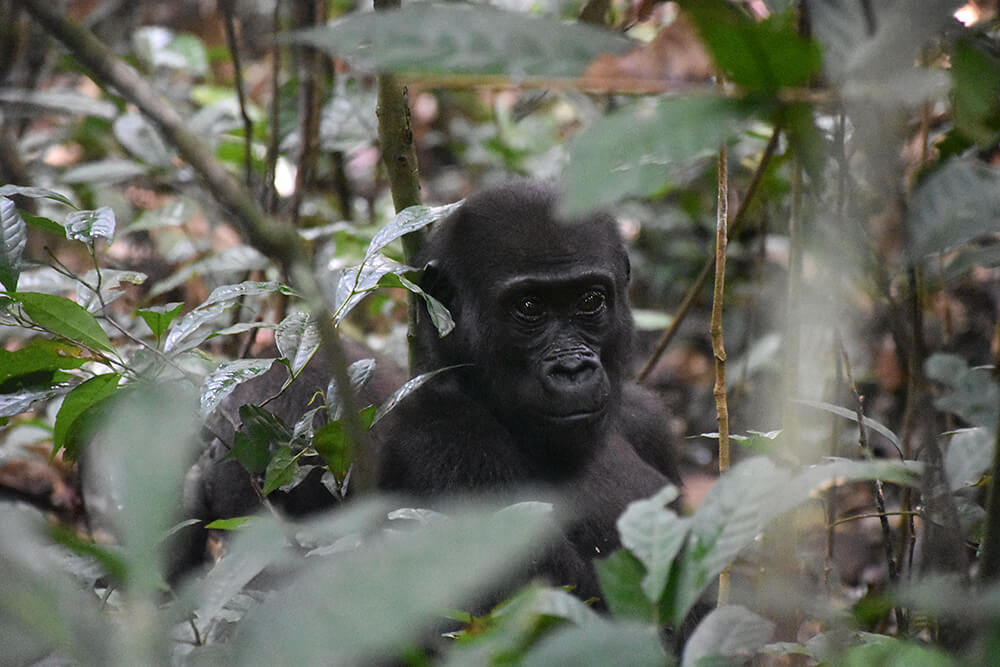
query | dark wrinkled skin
[539, 406]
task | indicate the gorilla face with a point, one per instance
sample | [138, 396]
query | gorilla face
[541, 316]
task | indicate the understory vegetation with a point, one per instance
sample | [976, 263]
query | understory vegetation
[193, 191]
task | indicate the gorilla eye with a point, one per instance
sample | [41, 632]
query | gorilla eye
[592, 302]
[529, 308]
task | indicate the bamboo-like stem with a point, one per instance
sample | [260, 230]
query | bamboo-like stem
[718, 345]
[395, 135]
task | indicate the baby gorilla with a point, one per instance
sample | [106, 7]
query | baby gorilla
[538, 406]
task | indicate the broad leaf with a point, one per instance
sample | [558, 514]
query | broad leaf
[356, 281]
[238, 259]
[440, 316]
[468, 39]
[878, 427]
[728, 633]
[112, 170]
[973, 394]
[68, 101]
[976, 73]
[140, 139]
[408, 220]
[396, 589]
[39, 354]
[408, 388]
[65, 318]
[629, 153]
[358, 373]
[330, 442]
[247, 288]
[297, 337]
[621, 576]
[756, 55]
[954, 205]
[76, 403]
[88, 225]
[189, 331]
[605, 642]
[223, 380]
[280, 470]
[111, 287]
[19, 401]
[654, 534]
[13, 239]
[34, 193]
[158, 318]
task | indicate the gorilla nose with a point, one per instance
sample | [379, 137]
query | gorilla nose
[572, 367]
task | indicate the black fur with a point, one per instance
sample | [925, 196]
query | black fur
[540, 407]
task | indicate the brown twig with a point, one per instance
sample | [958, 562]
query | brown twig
[718, 346]
[692, 294]
[228, 8]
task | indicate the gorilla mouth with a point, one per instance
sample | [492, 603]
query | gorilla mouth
[574, 417]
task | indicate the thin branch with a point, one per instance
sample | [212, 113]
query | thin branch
[272, 238]
[699, 282]
[228, 8]
[718, 346]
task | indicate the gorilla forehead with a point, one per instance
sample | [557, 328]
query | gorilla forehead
[512, 230]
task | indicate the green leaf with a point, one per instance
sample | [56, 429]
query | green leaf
[297, 338]
[76, 402]
[280, 470]
[227, 293]
[64, 318]
[976, 75]
[231, 524]
[330, 442]
[358, 374]
[239, 259]
[223, 380]
[18, 402]
[146, 448]
[110, 171]
[356, 281]
[729, 632]
[34, 193]
[759, 56]
[88, 225]
[188, 331]
[629, 153]
[408, 388]
[654, 534]
[252, 453]
[621, 575]
[467, 39]
[158, 318]
[440, 316]
[140, 139]
[598, 645]
[39, 354]
[396, 588]
[13, 240]
[973, 394]
[70, 101]
[258, 431]
[878, 427]
[410, 219]
[956, 204]
[45, 224]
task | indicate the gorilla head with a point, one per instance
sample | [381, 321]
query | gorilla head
[541, 316]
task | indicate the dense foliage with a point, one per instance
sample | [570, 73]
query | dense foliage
[862, 143]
